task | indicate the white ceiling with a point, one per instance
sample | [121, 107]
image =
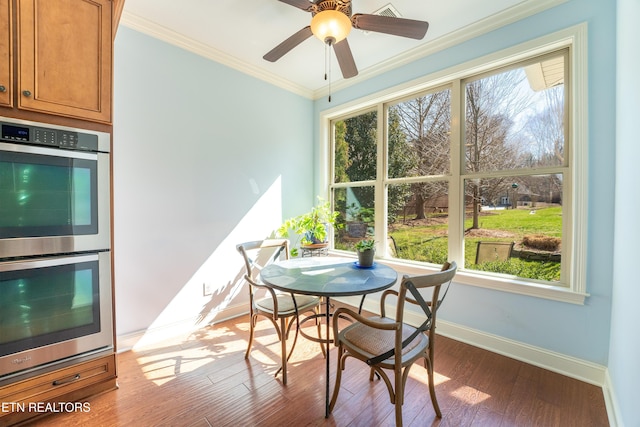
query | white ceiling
[239, 32]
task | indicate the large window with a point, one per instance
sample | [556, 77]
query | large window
[476, 169]
[514, 164]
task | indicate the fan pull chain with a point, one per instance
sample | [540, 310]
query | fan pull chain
[329, 73]
[327, 63]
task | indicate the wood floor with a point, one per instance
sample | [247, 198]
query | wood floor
[205, 381]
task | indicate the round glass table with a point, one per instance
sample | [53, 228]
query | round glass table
[327, 277]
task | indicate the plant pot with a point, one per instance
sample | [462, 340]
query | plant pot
[365, 258]
[311, 237]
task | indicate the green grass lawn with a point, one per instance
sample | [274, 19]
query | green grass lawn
[546, 221]
[428, 241]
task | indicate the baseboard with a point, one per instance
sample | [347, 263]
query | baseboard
[180, 329]
[611, 402]
[566, 365]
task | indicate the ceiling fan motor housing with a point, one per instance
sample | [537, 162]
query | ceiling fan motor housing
[339, 5]
[331, 22]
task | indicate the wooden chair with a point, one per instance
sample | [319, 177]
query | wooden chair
[281, 309]
[390, 344]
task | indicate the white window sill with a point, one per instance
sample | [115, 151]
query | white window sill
[540, 290]
[473, 278]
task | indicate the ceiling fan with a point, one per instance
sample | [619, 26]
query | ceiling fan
[332, 21]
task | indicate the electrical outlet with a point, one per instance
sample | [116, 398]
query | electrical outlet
[206, 290]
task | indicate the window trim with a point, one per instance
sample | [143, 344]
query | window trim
[576, 39]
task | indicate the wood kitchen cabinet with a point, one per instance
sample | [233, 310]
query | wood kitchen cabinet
[6, 48]
[56, 66]
[62, 58]
[50, 392]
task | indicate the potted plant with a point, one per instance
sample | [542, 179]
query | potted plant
[312, 226]
[366, 251]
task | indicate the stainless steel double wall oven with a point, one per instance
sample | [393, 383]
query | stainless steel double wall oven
[55, 258]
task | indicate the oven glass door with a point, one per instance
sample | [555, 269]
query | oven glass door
[46, 302]
[43, 193]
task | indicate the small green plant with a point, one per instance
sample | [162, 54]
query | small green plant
[311, 226]
[366, 252]
[365, 245]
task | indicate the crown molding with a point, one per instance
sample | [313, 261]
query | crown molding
[486, 25]
[507, 16]
[142, 25]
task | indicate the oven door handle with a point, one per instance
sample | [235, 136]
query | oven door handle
[14, 265]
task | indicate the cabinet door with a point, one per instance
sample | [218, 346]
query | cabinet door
[65, 385]
[65, 57]
[6, 48]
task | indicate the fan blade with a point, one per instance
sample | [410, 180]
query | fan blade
[389, 25]
[345, 59]
[279, 51]
[300, 4]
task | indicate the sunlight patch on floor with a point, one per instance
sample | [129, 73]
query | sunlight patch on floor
[419, 373]
[440, 379]
[469, 395]
[164, 366]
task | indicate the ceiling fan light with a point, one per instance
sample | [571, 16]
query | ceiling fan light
[330, 24]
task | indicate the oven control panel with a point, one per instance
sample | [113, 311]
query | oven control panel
[50, 137]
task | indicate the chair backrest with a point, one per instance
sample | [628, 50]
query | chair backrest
[410, 288]
[410, 292]
[258, 254]
[493, 251]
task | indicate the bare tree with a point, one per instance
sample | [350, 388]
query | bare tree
[546, 129]
[492, 105]
[426, 122]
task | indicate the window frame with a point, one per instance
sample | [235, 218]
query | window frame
[576, 198]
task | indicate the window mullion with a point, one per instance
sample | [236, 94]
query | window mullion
[456, 183]
[380, 228]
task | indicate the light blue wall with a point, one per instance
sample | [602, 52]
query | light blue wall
[204, 158]
[578, 331]
[624, 369]
[201, 153]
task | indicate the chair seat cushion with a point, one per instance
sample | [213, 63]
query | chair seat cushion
[285, 304]
[369, 342]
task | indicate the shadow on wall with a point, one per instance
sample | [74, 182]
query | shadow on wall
[213, 291]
